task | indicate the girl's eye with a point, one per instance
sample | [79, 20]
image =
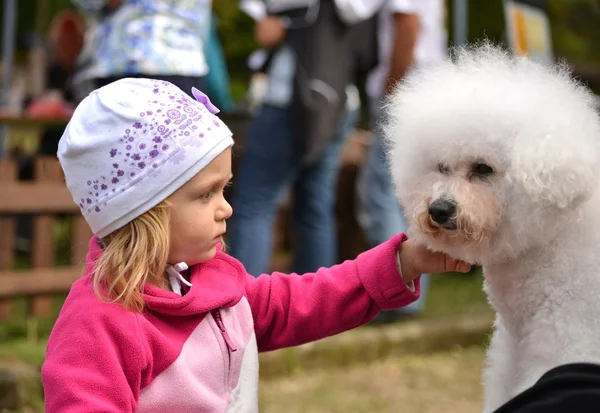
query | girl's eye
[208, 195]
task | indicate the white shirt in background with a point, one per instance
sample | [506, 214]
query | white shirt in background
[432, 42]
[279, 84]
[431, 45]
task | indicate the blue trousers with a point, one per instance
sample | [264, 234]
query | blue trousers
[269, 168]
[380, 214]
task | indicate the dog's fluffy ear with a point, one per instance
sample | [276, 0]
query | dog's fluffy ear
[556, 154]
[554, 171]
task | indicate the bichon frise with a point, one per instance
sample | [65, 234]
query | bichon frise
[496, 161]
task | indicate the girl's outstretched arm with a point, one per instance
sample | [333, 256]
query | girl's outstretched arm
[291, 309]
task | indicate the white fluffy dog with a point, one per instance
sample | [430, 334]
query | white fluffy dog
[496, 160]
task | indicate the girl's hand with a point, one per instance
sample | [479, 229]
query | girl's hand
[417, 259]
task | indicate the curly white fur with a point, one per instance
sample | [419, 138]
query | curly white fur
[533, 222]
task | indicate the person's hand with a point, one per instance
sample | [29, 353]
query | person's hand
[269, 32]
[416, 259]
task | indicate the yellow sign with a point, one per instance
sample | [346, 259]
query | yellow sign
[528, 31]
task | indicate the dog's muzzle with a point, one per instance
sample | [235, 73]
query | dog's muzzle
[443, 212]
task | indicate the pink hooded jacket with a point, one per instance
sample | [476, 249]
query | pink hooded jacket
[199, 352]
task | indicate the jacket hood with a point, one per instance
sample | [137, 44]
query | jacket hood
[217, 283]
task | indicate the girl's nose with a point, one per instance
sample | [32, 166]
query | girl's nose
[225, 211]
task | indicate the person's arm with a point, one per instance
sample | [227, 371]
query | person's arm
[93, 363]
[406, 32]
[291, 309]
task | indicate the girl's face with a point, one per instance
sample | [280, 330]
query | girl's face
[198, 212]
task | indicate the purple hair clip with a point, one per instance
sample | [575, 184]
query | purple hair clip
[202, 98]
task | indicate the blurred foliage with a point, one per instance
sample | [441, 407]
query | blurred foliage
[485, 19]
[576, 37]
[236, 31]
[575, 30]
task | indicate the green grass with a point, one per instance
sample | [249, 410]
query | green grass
[23, 350]
[456, 313]
[456, 295]
[19, 324]
[448, 382]
[24, 338]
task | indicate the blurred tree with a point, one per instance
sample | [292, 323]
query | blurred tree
[33, 17]
[236, 31]
[576, 37]
[485, 17]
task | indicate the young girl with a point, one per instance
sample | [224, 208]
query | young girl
[163, 320]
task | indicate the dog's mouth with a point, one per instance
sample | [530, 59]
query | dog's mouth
[449, 225]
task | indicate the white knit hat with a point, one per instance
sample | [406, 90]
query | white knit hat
[132, 143]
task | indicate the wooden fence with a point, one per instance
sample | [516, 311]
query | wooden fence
[44, 199]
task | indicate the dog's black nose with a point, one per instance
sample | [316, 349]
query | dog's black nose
[442, 210]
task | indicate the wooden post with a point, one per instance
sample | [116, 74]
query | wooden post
[46, 169]
[8, 172]
[44, 198]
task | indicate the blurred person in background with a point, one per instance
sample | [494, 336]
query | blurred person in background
[258, 61]
[411, 34]
[160, 39]
[57, 102]
[66, 37]
[274, 160]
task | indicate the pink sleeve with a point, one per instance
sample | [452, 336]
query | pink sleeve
[291, 309]
[93, 363]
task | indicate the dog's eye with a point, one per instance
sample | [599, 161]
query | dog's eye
[443, 169]
[482, 169]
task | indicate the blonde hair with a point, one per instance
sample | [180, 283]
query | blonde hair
[133, 255]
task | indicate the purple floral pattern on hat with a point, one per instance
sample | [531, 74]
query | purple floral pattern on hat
[167, 126]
